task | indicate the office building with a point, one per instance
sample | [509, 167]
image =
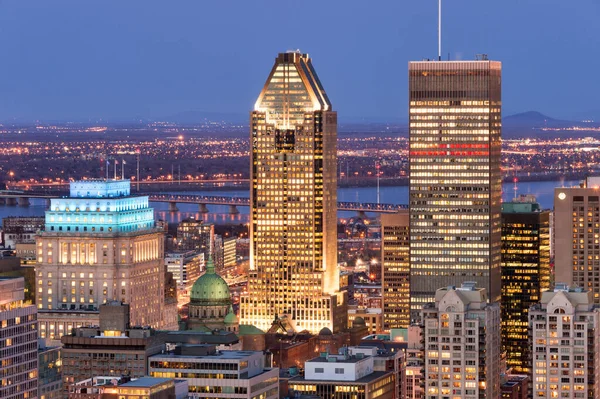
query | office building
[525, 274]
[565, 342]
[293, 200]
[18, 342]
[111, 349]
[577, 236]
[195, 235]
[230, 374]
[185, 267]
[110, 387]
[99, 245]
[49, 372]
[372, 317]
[462, 344]
[455, 178]
[395, 265]
[229, 252]
[344, 376]
[20, 229]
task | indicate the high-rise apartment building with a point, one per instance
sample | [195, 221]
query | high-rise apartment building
[395, 264]
[18, 342]
[462, 344]
[525, 274]
[99, 244]
[565, 342]
[293, 229]
[455, 178]
[577, 236]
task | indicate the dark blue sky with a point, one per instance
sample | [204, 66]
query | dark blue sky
[153, 58]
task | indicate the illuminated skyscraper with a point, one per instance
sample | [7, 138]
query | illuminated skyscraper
[395, 276]
[99, 244]
[577, 236]
[293, 249]
[455, 178]
[525, 274]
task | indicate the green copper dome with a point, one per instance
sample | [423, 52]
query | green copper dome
[210, 289]
[231, 318]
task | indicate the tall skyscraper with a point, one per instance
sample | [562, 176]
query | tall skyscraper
[99, 244]
[18, 342]
[293, 231]
[565, 342]
[525, 274]
[395, 276]
[577, 236]
[462, 344]
[455, 178]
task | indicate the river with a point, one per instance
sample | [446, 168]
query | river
[543, 190]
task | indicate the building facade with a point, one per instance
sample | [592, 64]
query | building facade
[99, 244]
[525, 274]
[577, 236]
[455, 178]
[395, 264]
[462, 344]
[344, 376]
[20, 229]
[186, 267]
[223, 374]
[195, 235]
[565, 343]
[111, 349]
[293, 199]
[18, 342]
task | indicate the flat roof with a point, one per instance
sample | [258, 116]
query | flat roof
[374, 376]
[349, 359]
[145, 382]
[220, 355]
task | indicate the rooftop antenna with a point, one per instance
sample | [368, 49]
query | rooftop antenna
[439, 30]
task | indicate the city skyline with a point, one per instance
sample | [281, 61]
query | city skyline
[104, 61]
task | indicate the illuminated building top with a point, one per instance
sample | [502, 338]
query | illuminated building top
[100, 206]
[292, 89]
[100, 188]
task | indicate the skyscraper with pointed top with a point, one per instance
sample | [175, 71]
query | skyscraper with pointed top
[293, 250]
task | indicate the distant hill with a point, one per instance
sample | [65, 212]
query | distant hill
[532, 119]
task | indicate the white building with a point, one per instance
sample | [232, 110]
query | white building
[18, 342]
[564, 329]
[353, 373]
[462, 344]
[222, 374]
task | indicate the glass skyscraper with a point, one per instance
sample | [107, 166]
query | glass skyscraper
[525, 274]
[293, 231]
[455, 178]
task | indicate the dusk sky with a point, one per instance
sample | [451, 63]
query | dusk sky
[115, 59]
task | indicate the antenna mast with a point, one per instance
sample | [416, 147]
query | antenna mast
[439, 30]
